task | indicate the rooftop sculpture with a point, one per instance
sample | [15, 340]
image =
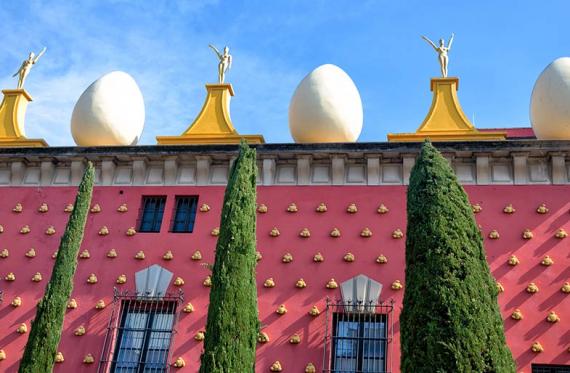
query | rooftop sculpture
[442, 51]
[225, 62]
[26, 66]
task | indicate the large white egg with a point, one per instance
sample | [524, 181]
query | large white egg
[550, 102]
[109, 112]
[326, 107]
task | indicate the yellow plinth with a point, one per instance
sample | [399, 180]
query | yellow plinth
[12, 115]
[446, 120]
[213, 125]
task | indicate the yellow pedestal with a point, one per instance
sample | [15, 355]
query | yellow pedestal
[446, 120]
[12, 115]
[213, 125]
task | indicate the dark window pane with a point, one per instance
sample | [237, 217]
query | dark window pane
[151, 214]
[359, 343]
[184, 214]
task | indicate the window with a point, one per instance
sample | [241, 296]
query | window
[184, 214]
[550, 368]
[151, 213]
[359, 338]
[140, 334]
[359, 343]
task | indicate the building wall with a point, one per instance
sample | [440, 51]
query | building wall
[520, 334]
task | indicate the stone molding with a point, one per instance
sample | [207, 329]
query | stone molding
[482, 163]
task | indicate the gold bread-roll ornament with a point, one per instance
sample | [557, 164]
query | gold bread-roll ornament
[131, 231]
[281, 310]
[262, 209]
[59, 358]
[122, 208]
[72, 304]
[335, 233]
[276, 367]
[188, 308]
[88, 359]
[305, 233]
[100, 304]
[262, 337]
[509, 209]
[527, 234]
[352, 209]
[542, 209]
[292, 208]
[197, 255]
[287, 258]
[168, 255]
[318, 258]
[112, 254]
[30, 253]
[331, 284]
[43, 208]
[179, 363]
[50, 231]
[321, 207]
[517, 315]
[85, 254]
[381, 259]
[204, 208]
[95, 209]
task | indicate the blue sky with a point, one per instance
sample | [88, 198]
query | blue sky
[499, 50]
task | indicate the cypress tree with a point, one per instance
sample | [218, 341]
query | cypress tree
[233, 323]
[451, 320]
[41, 348]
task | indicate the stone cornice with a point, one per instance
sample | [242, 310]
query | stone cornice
[486, 162]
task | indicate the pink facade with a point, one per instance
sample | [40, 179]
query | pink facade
[554, 337]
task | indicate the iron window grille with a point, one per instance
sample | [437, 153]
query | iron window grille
[542, 368]
[151, 212]
[140, 333]
[184, 214]
[358, 337]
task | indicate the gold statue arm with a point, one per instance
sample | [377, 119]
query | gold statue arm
[230, 61]
[430, 42]
[215, 51]
[40, 54]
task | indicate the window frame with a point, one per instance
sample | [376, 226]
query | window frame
[189, 222]
[549, 368]
[129, 302]
[382, 311]
[157, 214]
[361, 320]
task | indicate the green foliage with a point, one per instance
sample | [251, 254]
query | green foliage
[451, 320]
[39, 355]
[233, 324]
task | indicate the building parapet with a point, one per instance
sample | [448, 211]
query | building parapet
[519, 162]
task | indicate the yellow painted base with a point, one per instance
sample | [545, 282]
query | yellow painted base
[23, 143]
[446, 120]
[209, 139]
[213, 124]
[12, 115]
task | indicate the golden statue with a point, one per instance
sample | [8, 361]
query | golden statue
[26, 66]
[442, 51]
[225, 62]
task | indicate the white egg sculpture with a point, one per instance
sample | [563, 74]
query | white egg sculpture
[109, 112]
[326, 107]
[550, 102]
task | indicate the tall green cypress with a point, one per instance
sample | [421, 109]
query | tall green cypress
[39, 355]
[233, 323]
[451, 320]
